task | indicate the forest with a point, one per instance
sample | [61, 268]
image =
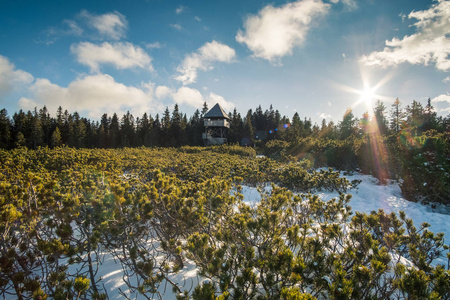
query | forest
[173, 129]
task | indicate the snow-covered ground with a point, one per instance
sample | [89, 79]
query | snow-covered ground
[370, 196]
[367, 196]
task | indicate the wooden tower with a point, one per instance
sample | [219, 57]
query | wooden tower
[216, 123]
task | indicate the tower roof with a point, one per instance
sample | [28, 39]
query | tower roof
[216, 112]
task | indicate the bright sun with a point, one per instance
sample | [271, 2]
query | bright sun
[367, 95]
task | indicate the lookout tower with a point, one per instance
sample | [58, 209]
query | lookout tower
[216, 123]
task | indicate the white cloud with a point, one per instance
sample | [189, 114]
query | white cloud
[193, 97]
[120, 55]
[11, 77]
[180, 9]
[155, 45]
[94, 94]
[430, 43]
[441, 104]
[351, 4]
[203, 60]
[189, 96]
[176, 26]
[162, 92]
[325, 116]
[73, 28]
[275, 31]
[198, 19]
[111, 25]
[212, 99]
[446, 79]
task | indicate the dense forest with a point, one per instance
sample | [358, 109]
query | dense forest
[38, 128]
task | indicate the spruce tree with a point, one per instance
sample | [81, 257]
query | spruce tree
[380, 118]
[5, 129]
[397, 116]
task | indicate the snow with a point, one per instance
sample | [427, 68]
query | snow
[368, 196]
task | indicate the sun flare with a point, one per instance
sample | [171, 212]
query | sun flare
[367, 95]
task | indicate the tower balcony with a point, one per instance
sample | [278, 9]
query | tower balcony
[217, 123]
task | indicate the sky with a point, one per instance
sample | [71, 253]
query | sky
[314, 57]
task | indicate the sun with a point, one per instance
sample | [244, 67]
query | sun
[367, 95]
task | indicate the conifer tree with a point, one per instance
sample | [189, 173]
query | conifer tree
[397, 116]
[415, 117]
[175, 131]
[104, 133]
[430, 117]
[143, 131]
[114, 129]
[195, 129]
[380, 118]
[5, 129]
[347, 126]
[204, 109]
[157, 132]
[56, 138]
[248, 135]
[35, 134]
[127, 130]
[236, 132]
[79, 131]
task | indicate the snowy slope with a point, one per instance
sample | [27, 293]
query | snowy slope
[368, 196]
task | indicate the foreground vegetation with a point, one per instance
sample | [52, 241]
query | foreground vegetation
[157, 209]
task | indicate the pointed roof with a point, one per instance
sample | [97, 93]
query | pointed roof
[216, 112]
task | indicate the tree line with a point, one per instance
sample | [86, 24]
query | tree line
[172, 129]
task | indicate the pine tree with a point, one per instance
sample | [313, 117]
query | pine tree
[143, 131]
[204, 109]
[195, 129]
[5, 129]
[56, 138]
[157, 132]
[248, 135]
[236, 132]
[296, 129]
[415, 117]
[347, 127]
[114, 129]
[46, 124]
[20, 140]
[79, 131]
[35, 137]
[103, 132]
[127, 130]
[175, 132]
[379, 117]
[397, 116]
[430, 117]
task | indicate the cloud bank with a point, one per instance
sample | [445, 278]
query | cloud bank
[95, 94]
[11, 77]
[275, 31]
[429, 45]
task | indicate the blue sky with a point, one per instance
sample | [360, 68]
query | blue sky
[316, 57]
